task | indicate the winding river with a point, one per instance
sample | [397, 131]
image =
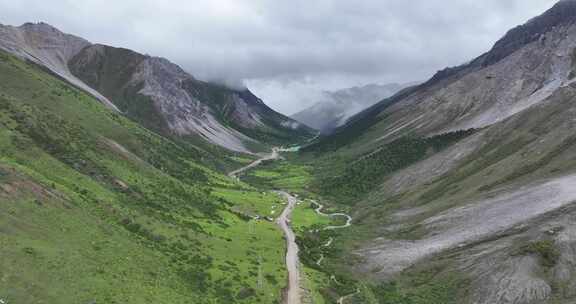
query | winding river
[292, 293]
[319, 212]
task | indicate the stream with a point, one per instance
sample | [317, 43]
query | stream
[292, 293]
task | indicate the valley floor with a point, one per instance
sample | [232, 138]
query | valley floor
[306, 283]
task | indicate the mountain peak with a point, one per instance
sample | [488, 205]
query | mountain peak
[562, 13]
[39, 26]
[50, 34]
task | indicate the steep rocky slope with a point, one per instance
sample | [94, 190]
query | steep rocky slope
[521, 70]
[482, 216]
[47, 46]
[497, 203]
[154, 91]
[337, 106]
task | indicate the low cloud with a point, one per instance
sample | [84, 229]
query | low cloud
[286, 50]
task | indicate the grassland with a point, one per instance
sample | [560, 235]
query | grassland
[314, 282]
[305, 218]
[96, 208]
[317, 280]
[280, 175]
[347, 180]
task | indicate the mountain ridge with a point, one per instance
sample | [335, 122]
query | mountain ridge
[464, 184]
[157, 91]
[489, 71]
[458, 190]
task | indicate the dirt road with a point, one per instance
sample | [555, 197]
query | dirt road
[292, 261]
[256, 163]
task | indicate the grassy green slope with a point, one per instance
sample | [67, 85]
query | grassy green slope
[280, 174]
[96, 208]
[317, 282]
[347, 179]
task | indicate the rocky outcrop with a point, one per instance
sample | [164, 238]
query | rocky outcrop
[154, 91]
[561, 15]
[164, 97]
[162, 82]
[48, 47]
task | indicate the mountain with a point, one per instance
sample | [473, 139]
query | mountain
[98, 209]
[462, 188]
[522, 69]
[337, 106]
[459, 190]
[153, 91]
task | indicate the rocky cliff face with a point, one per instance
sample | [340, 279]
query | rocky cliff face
[154, 91]
[562, 14]
[48, 47]
[522, 70]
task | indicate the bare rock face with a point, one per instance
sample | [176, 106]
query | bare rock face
[47, 46]
[153, 91]
[162, 81]
[561, 15]
[497, 207]
[493, 93]
[522, 70]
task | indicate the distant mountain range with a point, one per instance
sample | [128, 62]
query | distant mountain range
[337, 106]
[154, 91]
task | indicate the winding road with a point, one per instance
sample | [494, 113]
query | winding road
[292, 295]
[256, 163]
[292, 261]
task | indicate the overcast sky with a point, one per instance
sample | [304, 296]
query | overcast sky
[287, 51]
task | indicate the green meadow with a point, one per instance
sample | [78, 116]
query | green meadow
[96, 209]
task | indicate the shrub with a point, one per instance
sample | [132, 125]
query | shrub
[245, 293]
[546, 250]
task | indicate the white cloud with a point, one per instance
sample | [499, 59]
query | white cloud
[290, 50]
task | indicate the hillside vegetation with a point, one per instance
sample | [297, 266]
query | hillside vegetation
[347, 180]
[101, 210]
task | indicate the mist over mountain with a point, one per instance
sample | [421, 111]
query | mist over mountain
[337, 106]
[127, 178]
[268, 44]
[152, 90]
